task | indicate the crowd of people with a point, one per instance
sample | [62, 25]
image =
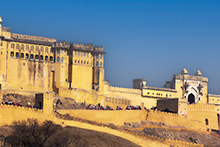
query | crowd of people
[18, 104]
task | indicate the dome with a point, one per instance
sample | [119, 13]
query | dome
[1, 20]
[184, 71]
[198, 73]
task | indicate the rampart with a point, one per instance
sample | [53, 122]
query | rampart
[117, 117]
[126, 90]
[174, 119]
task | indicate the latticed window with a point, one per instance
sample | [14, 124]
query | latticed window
[37, 48]
[12, 45]
[22, 46]
[17, 46]
[41, 49]
[27, 47]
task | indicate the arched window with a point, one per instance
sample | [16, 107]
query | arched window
[84, 62]
[76, 53]
[37, 48]
[41, 57]
[41, 49]
[78, 61]
[46, 49]
[27, 56]
[36, 57]
[22, 46]
[32, 48]
[46, 58]
[97, 64]
[27, 47]
[12, 54]
[101, 64]
[206, 121]
[12, 45]
[62, 60]
[75, 61]
[87, 54]
[22, 55]
[58, 59]
[87, 62]
[17, 46]
[17, 55]
[32, 57]
[51, 58]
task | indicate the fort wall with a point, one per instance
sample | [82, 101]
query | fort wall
[175, 120]
[108, 116]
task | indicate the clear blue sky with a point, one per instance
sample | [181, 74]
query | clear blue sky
[143, 39]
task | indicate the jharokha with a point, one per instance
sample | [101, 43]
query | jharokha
[31, 64]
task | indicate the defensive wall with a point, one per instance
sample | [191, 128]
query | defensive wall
[9, 114]
[108, 116]
[173, 119]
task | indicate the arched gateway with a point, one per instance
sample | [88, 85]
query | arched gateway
[191, 98]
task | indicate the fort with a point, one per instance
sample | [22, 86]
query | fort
[30, 65]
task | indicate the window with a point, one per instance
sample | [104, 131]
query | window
[17, 55]
[81, 61]
[32, 48]
[12, 54]
[58, 51]
[32, 57]
[84, 62]
[37, 48]
[22, 55]
[75, 61]
[87, 54]
[58, 59]
[27, 47]
[46, 49]
[62, 60]
[206, 121]
[87, 62]
[22, 47]
[97, 64]
[17, 46]
[46, 58]
[36, 57]
[27, 56]
[97, 56]
[100, 64]
[41, 57]
[12, 45]
[51, 58]
[41, 49]
[76, 53]
[78, 61]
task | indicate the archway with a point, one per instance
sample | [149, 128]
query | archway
[191, 98]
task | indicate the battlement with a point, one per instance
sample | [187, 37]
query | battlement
[20, 108]
[20, 37]
[5, 29]
[190, 77]
[201, 107]
[62, 44]
[127, 90]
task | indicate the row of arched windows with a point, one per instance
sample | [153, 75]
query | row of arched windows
[82, 62]
[98, 64]
[61, 60]
[98, 56]
[31, 47]
[27, 56]
[78, 53]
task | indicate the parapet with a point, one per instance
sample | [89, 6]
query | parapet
[32, 39]
[126, 90]
[201, 107]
